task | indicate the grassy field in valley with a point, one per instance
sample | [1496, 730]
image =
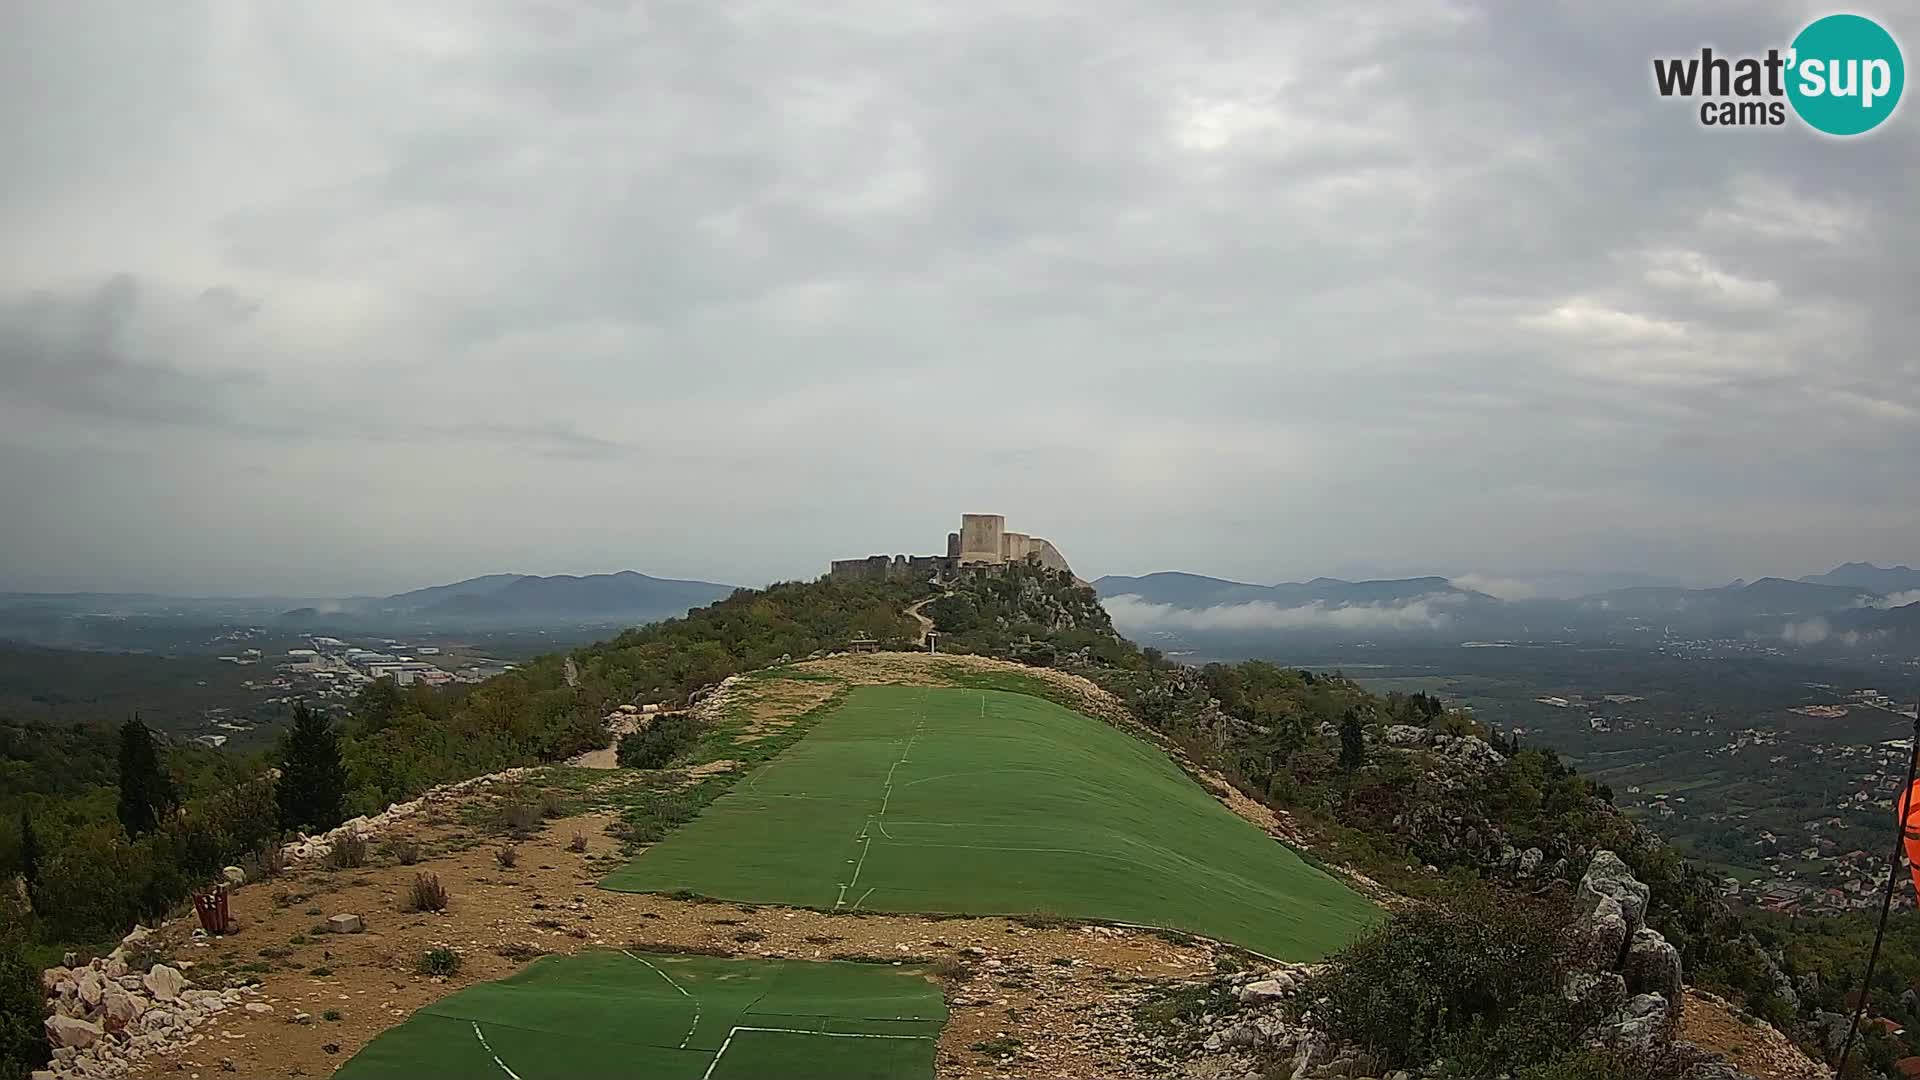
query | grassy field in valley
[625, 1014]
[940, 800]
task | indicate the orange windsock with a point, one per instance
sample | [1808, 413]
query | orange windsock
[1909, 811]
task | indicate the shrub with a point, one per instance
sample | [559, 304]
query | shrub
[349, 851]
[578, 843]
[404, 852]
[518, 815]
[94, 885]
[507, 857]
[23, 1042]
[658, 744]
[438, 960]
[271, 860]
[1658, 1063]
[1476, 982]
[331, 1016]
[427, 894]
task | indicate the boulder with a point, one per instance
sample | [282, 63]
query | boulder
[1530, 861]
[1639, 1024]
[1265, 990]
[67, 1031]
[1608, 928]
[1832, 1028]
[1405, 735]
[1609, 878]
[51, 979]
[164, 983]
[345, 924]
[233, 875]
[1473, 751]
[1652, 966]
[135, 937]
[90, 987]
[1582, 986]
[119, 1008]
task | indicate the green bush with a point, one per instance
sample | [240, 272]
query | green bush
[658, 744]
[23, 1041]
[438, 961]
[1476, 982]
[94, 886]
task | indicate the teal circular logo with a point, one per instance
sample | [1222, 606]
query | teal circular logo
[1846, 74]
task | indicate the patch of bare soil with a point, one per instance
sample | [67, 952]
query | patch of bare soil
[1043, 1002]
[770, 706]
[1754, 1047]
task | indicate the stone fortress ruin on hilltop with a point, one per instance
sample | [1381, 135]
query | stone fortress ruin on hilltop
[983, 542]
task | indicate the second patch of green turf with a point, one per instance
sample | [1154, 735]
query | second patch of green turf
[628, 1014]
[983, 802]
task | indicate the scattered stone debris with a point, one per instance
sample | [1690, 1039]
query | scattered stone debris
[107, 1018]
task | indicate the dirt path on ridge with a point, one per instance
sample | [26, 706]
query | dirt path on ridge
[926, 624]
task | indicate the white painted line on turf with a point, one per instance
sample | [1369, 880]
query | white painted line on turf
[863, 897]
[862, 863]
[728, 1041]
[683, 993]
[489, 1049]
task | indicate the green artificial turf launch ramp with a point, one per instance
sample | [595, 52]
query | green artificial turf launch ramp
[601, 1015]
[914, 799]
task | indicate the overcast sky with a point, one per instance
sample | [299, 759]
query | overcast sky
[335, 298]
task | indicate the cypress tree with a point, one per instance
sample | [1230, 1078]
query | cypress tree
[1353, 741]
[29, 850]
[313, 780]
[145, 791]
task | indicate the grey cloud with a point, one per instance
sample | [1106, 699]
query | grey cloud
[1135, 615]
[1294, 279]
[88, 354]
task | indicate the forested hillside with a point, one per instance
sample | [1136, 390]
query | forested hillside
[1420, 796]
[1413, 793]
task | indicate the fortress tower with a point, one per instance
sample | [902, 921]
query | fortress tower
[983, 540]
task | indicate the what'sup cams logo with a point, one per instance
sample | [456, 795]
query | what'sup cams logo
[1842, 75]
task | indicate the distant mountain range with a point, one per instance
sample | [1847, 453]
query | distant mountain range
[1874, 579]
[1196, 591]
[522, 598]
[1852, 605]
[1767, 596]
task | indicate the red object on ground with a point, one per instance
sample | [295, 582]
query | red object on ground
[212, 909]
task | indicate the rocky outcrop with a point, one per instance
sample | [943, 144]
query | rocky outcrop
[107, 1016]
[1609, 878]
[1629, 953]
[1652, 965]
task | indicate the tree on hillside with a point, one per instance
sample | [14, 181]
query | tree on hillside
[29, 851]
[313, 781]
[1353, 741]
[23, 1005]
[146, 792]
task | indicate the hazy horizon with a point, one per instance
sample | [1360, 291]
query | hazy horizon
[333, 301]
[1505, 586]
